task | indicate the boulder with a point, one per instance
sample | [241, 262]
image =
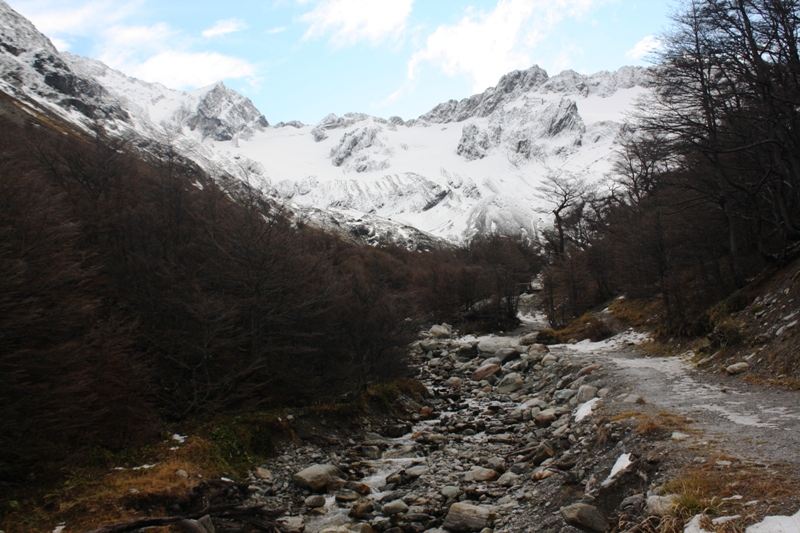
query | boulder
[292, 524]
[478, 473]
[585, 371]
[492, 344]
[584, 517]
[441, 331]
[316, 477]
[428, 345]
[468, 517]
[538, 349]
[661, 505]
[361, 509]
[510, 383]
[484, 371]
[263, 473]
[737, 368]
[529, 339]
[549, 360]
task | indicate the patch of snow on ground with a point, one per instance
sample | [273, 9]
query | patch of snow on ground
[694, 525]
[585, 409]
[622, 464]
[626, 338]
[777, 524]
[179, 438]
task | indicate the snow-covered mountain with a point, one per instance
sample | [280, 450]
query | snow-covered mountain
[465, 167]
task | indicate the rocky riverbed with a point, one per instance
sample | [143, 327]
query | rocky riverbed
[511, 437]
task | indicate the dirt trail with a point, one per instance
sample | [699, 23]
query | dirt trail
[754, 422]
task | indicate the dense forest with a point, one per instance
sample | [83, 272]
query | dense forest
[706, 189]
[135, 290]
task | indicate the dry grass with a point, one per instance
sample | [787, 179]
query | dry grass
[90, 498]
[650, 424]
[713, 491]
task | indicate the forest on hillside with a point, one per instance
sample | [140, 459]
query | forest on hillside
[706, 189]
[136, 291]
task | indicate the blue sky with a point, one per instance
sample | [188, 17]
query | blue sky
[303, 59]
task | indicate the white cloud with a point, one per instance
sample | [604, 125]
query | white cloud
[643, 47]
[60, 44]
[224, 27]
[351, 21]
[185, 70]
[484, 46]
[273, 31]
[75, 17]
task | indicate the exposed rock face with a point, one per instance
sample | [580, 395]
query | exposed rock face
[223, 113]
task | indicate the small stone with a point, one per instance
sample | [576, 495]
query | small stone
[510, 383]
[529, 339]
[585, 371]
[454, 382]
[484, 371]
[440, 331]
[292, 524]
[661, 505]
[737, 368]
[182, 473]
[586, 393]
[362, 509]
[632, 398]
[315, 501]
[451, 492]
[371, 452]
[549, 360]
[347, 496]
[508, 479]
[263, 473]
[395, 507]
[584, 517]
[478, 473]
[417, 471]
[679, 437]
[545, 418]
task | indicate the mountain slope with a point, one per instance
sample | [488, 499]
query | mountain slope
[465, 167]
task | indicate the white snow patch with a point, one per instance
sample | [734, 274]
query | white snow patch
[694, 526]
[179, 438]
[59, 528]
[622, 464]
[777, 524]
[626, 338]
[585, 409]
[144, 467]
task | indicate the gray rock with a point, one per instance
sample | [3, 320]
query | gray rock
[510, 383]
[441, 331]
[632, 398]
[549, 360]
[315, 501]
[564, 394]
[315, 477]
[661, 505]
[545, 418]
[417, 471]
[529, 339]
[508, 479]
[454, 382]
[451, 492]
[263, 473]
[737, 368]
[395, 507]
[467, 517]
[371, 452]
[292, 524]
[505, 354]
[584, 517]
[493, 344]
[586, 393]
